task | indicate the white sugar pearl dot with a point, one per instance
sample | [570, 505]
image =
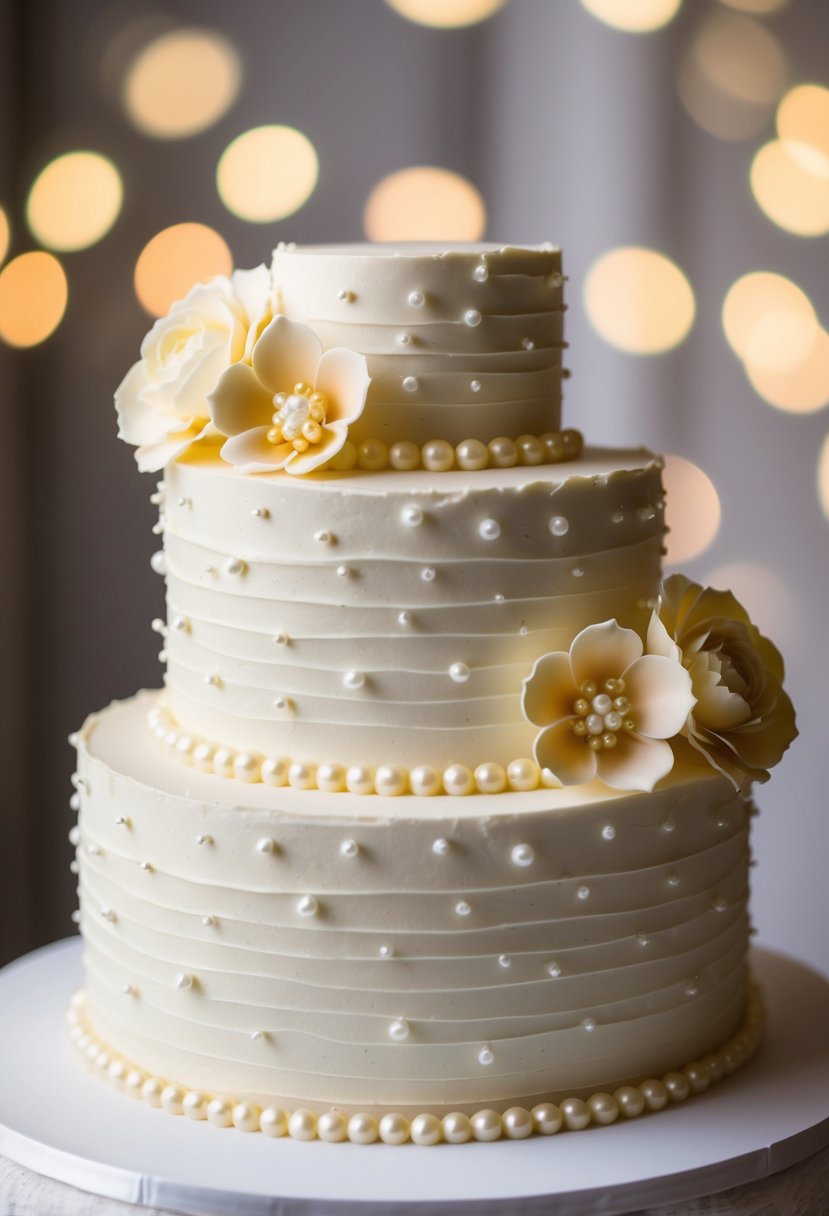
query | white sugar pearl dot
[343, 571]
[307, 906]
[410, 384]
[608, 832]
[275, 770]
[208, 921]
[459, 672]
[404, 339]
[331, 778]
[458, 780]
[425, 781]
[523, 774]
[489, 529]
[344, 295]
[416, 299]
[553, 970]
[472, 317]
[559, 526]
[399, 1030]
[281, 639]
[159, 562]
[528, 344]
[349, 848]
[184, 981]
[669, 825]
[438, 456]
[486, 1056]
[332, 1127]
[411, 516]
[203, 838]
[390, 780]
[404, 618]
[234, 565]
[577, 571]
[499, 597]
[404, 456]
[428, 574]
[323, 536]
[589, 1024]
[302, 776]
[359, 779]
[354, 679]
[481, 273]
[583, 893]
[522, 855]
[440, 846]
[302, 1125]
[462, 908]
[502, 452]
[265, 845]
[363, 1129]
[471, 455]
[490, 778]
[504, 961]
[386, 952]
[394, 1129]
[475, 385]
[643, 939]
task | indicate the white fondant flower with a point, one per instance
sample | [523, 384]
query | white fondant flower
[606, 709]
[293, 406]
[162, 400]
[742, 721]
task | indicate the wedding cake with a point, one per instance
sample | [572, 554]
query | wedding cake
[439, 829]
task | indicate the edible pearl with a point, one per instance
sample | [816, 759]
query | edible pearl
[677, 1086]
[547, 1119]
[323, 537]
[486, 1056]
[528, 344]
[404, 456]
[559, 526]
[159, 562]
[459, 672]
[475, 386]
[302, 776]
[481, 273]
[471, 454]
[589, 1024]
[372, 455]
[456, 1127]
[184, 981]
[576, 1114]
[404, 339]
[332, 1127]
[530, 450]
[273, 1121]
[458, 780]
[502, 452]
[363, 1129]
[490, 778]
[604, 1109]
[438, 455]
[426, 1129]
[208, 921]
[394, 1129]
[486, 1125]
[404, 618]
[307, 906]
[428, 574]
[266, 845]
[462, 908]
[151, 1091]
[390, 780]
[583, 892]
[410, 384]
[275, 770]
[697, 1077]
[608, 832]
[504, 961]
[425, 781]
[345, 459]
[234, 565]
[630, 1101]
[517, 1123]
[195, 1104]
[349, 848]
[412, 516]
[654, 1093]
[489, 529]
[354, 679]
[522, 855]
[246, 1117]
[359, 779]
[203, 838]
[399, 1030]
[346, 296]
[440, 846]
[416, 299]
[247, 766]
[386, 952]
[203, 757]
[220, 1112]
[331, 778]
[472, 317]
[343, 571]
[523, 774]
[553, 970]
[302, 1125]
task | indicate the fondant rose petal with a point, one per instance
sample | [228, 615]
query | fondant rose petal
[660, 694]
[602, 652]
[333, 439]
[286, 354]
[635, 763]
[660, 641]
[151, 457]
[722, 757]
[250, 452]
[761, 744]
[254, 292]
[239, 403]
[343, 377]
[549, 690]
[201, 378]
[136, 423]
[566, 755]
[717, 706]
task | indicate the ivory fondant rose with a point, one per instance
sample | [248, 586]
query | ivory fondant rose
[162, 400]
[292, 407]
[742, 721]
[606, 709]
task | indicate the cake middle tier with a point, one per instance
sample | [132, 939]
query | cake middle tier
[367, 619]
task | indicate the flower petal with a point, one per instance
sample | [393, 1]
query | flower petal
[717, 708]
[286, 354]
[602, 652]
[660, 695]
[343, 376]
[333, 438]
[635, 763]
[566, 755]
[761, 744]
[150, 457]
[250, 452]
[660, 641]
[254, 291]
[549, 690]
[137, 421]
[238, 403]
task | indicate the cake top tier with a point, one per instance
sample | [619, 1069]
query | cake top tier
[412, 355]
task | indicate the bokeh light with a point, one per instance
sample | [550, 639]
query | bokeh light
[33, 297]
[790, 182]
[633, 16]
[823, 476]
[175, 260]
[639, 300]
[693, 509]
[732, 75]
[424, 204]
[762, 299]
[5, 236]
[803, 118]
[446, 13]
[267, 173]
[182, 83]
[800, 389]
[764, 595]
[74, 201]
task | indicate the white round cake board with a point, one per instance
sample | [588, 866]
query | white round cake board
[60, 1121]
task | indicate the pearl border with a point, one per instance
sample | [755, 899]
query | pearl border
[470, 455]
[389, 780]
[516, 1123]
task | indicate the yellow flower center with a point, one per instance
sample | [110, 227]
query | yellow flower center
[600, 713]
[298, 417]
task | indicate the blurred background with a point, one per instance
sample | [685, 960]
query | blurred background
[678, 151]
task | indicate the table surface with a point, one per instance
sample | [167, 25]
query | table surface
[767, 1129]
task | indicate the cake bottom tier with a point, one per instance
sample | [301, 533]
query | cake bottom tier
[295, 949]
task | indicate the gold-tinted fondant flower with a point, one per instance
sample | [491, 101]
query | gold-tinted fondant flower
[292, 407]
[606, 709]
[742, 721]
[162, 401]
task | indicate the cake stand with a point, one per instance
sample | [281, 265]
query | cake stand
[62, 1122]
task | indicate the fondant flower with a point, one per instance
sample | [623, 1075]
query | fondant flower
[742, 721]
[606, 709]
[293, 406]
[162, 400]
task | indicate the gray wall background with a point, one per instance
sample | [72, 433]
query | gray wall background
[573, 132]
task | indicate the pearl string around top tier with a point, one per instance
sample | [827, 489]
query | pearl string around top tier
[471, 455]
[333, 1126]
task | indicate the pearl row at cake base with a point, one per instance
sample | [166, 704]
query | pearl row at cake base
[516, 1123]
